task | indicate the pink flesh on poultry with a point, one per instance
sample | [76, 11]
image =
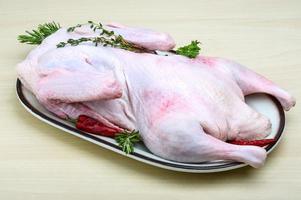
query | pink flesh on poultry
[185, 109]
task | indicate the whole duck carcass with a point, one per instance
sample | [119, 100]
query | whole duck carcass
[185, 109]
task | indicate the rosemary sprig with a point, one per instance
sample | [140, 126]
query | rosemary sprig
[126, 140]
[36, 37]
[191, 50]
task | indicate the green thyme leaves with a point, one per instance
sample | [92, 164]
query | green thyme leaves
[105, 38]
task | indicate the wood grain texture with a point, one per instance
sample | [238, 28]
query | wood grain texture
[40, 162]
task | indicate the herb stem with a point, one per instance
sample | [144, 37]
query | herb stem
[105, 38]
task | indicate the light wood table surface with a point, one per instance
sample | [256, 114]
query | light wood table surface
[38, 161]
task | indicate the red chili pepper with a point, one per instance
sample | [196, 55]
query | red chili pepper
[93, 126]
[260, 143]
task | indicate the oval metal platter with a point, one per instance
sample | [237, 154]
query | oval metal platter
[263, 103]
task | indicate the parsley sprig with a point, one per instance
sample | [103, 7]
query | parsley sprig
[126, 140]
[191, 50]
[37, 36]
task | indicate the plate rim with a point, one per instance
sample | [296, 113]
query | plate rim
[138, 156]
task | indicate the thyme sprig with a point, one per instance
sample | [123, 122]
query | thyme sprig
[126, 140]
[72, 28]
[36, 36]
[105, 38]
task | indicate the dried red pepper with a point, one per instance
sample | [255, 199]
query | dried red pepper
[91, 125]
[260, 143]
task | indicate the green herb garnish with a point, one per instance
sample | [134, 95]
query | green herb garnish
[37, 36]
[72, 28]
[105, 38]
[126, 140]
[191, 50]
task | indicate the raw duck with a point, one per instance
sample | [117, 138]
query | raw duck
[185, 109]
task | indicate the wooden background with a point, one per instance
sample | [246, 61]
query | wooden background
[38, 161]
